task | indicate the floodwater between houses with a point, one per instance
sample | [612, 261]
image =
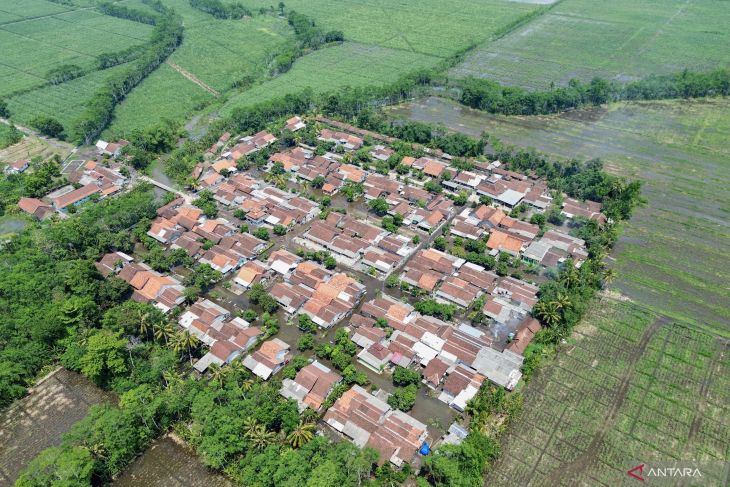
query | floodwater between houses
[168, 463]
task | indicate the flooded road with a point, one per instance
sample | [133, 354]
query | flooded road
[167, 463]
[40, 419]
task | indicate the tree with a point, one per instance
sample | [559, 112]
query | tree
[104, 356]
[4, 112]
[609, 275]
[279, 229]
[404, 377]
[261, 233]
[47, 126]
[305, 342]
[302, 435]
[206, 202]
[547, 312]
[403, 398]
[68, 466]
[440, 243]
[379, 206]
[185, 341]
[260, 437]
[306, 324]
[318, 182]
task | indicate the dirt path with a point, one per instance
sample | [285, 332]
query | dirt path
[193, 78]
[589, 455]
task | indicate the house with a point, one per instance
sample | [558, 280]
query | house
[502, 368]
[349, 142]
[164, 230]
[333, 299]
[460, 387]
[311, 386]
[458, 291]
[75, 197]
[112, 263]
[505, 242]
[294, 124]
[526, 331]
[283, 261]
[586, 209]
[367, 334]
[229, 341]
[17, 167]
[112, 149]
[381, 153]
[149, 286]
[380, 260]
[375, 357]
[370, 422]
[35, 207]
[434, 373]
[269, 359]
[251, 273]
[290, 297]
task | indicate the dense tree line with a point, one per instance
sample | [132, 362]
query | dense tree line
[221, 10]
[493, 97]
[109, 59]
[63, 73]
[56, 262]
[123, 12]
[166, 36]
[309, 36]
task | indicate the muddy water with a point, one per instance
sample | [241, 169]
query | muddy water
[169, 464]
[39, 420]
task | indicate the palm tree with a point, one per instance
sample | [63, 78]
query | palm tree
[249, 426]
[163, 331]
[547, 313]
[302, 435]
[217, 374]
[185, 341]
[562, 301]
[260, 438]
[171, 378]
[143, 325]
[570, 277]
[608, 276]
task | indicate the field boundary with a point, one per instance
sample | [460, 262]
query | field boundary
[190, 76]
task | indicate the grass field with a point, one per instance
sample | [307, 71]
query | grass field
[672, 255]
[432, 27]
[164, 94]
[32, 146]
[629, 387]
[219, 52]
[348, 64]
[37, 36]
[8, 136]
[621, 39]
[64, 102]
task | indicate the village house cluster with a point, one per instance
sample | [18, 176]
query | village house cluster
[90, 180]
[454, 357]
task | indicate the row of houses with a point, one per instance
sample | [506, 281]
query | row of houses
[417, 340]
[148, 286]
[91, 180]
[310, 289]
[358, 244]
[518, 238]
[213, 241]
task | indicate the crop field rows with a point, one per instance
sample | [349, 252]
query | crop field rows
[432, 27]
[621, 39]
[49, 35]
[630, 387]
[349, 64]
[63, 102]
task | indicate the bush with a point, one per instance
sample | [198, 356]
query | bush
[47, 126]
[403, 398]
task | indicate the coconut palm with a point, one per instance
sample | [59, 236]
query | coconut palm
[547, 312]
[163, 331]
[260, 438]
[249, 426]
[217, 374]
[562, 301]
[570, 277]
[183, 341]
[143, 324]
[171, 378]
[608, 276]
[301, 435]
